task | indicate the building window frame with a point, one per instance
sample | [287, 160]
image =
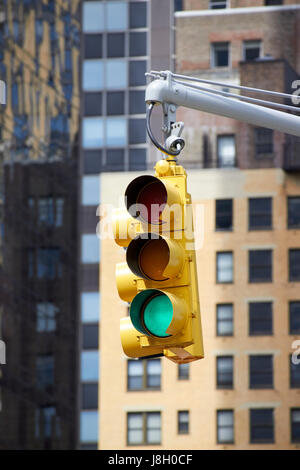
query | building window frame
[221, 427]
[144, 428]
[146, 377]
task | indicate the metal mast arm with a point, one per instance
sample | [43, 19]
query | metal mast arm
[167, 91]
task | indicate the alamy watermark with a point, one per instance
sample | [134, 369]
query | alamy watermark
[2, 352]
[296, 94]
[296, 354]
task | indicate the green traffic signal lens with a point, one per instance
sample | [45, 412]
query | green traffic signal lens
[157, 315]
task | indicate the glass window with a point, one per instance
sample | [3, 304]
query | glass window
[46, 210]
[90, 366]
[144, 374]
[261, 425]
[294, 212]
[294, 310]
[225, 372]
[226, 151]
[143, 428]
[93, 46]
[294, 374]
[273, 2]
[137, 103]
[135, 431]
[89, 426]
[46, 422]
[137, 44]
[90, 248]
[153, 373]
[90, 336]
[261, 371]
[92, 104]
[135, 374]
[116, 74]
[252, 50]
[90, 190]
[115, 160]
[137, 70]
[220, 54]
[263, 141]
[115, 102]
[183, 371]
[295, 425]
[225, 429]
[46, 316]
[225, 267]
[216, 4]
[45, 371]
[49, 263]
[117, 16]
[260, 213]
[137, 159]
[294, 265]
[183, 422]
[137, 15]
[93, 17]
[92, 161]
[178, 5]
[92, 132]
[225, 320]
[260, 265]
[116, 132]
[116, 45]
[93, 75]
[89, 396]
[90, 307]
[260, 318]
[224, 214]
[137, 131]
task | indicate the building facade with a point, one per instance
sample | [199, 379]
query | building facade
[245, 180]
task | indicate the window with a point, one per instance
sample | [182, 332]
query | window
[93, 75]
[46, 316]
[260, 266]
[94, 13]
[115, 102]
[261, 426]
[90, 190]
[273, 2]
[97, 74]
[295, 425]
[224, 214]
[117, 16]
[260, 318]
[89, 426]
[93, 17]
[49, 263]
[261, 371]
[92, 104]
[183, 371]
[137, 102]
[92, 46]
[144, 374]
[251, 50]
[220, 54]
[225, 430]
[294, 317]
[45, 371]
[294, 212]
[137, 131]
[224, 320]
[50, 211]
[178, 5]
[216, 4]
[226, 151]
[143, 428]
[115, 160]
[225, 267]
[116, 45]
[116, 132]
[90, 336]
[90, 248]
[89, 396]
[46, 421]
[137, 159]
[183, 422]
[92, 132]
[225, 372]
[294, 374]
[137, 15]
[263, 141]
[260, 213]
[115, 74]
[137, 70]
[137, 44]
[90, 307]
[294, 264]
[89, 366]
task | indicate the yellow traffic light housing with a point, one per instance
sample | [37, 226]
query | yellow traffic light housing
[159, 278]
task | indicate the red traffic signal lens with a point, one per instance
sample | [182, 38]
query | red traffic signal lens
[146, 198]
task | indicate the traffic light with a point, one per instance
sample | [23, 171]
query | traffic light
[159, 277]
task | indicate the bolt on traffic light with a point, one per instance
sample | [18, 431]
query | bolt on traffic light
[159, 277]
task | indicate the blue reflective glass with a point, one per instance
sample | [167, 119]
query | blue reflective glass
[92, 132]
[116, 74]
[92, 75]
[89, 426]
[116, 16]
[116, 132]
[90, 248]
[91, 190]
[90, 307]
[93, 17]
[89, 365]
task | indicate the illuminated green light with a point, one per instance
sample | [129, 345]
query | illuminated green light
[158, 314]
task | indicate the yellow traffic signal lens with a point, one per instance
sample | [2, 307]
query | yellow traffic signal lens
[154, 258]
[157, 315]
